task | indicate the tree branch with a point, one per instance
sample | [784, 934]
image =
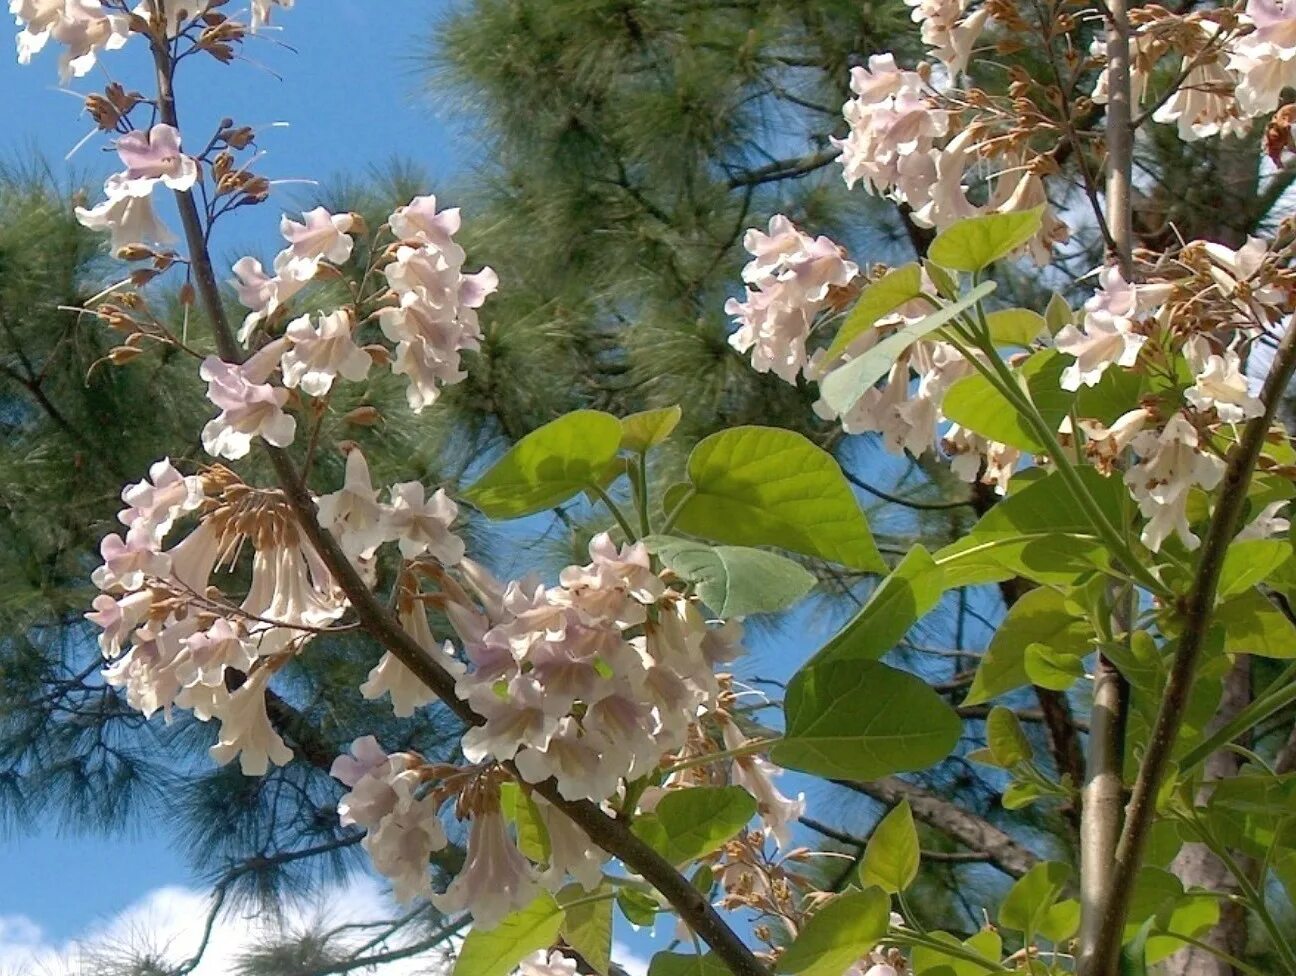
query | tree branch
[611, 835]
[956, 823]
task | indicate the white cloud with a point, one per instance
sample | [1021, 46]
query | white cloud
[169, 921]
[629, 960]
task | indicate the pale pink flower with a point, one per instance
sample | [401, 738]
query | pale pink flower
[322, 236]
[206, 655]
[1204, 104]
[260, 292]
[571, 852]
[585, 766]
[352, 513]
[496, 879]
[127, 562]
[789, 277]
[1109, 333]
[948, 31]
[422, 526]
[250, 407]
[756, 775]
[119, 618]
[155, 504]
[1265, 60]
[319, 355]
[152, 157]
[366, 757]
[390, 677]
[420, 220]
[262, 9]
[402, 842]
[519, 719]
[82, 27]
[1267, 524]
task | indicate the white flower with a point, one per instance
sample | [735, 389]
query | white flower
[319, 355]
[352, 513]
[261, 10]
[945, 29]
[1219, 383]
[245, 730]
[155, 504]
[81, 26]
[1204, 104]
[390, 676]
[571, 852]
[546, 963]
[127, 219]
[260, 292]
[1265, 60]
[755, 775]
[126, 562]
[1265, 525]
[423, 526]
[1171, 465]
[496, 879]
[322, 236]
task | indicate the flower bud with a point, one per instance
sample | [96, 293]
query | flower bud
[365, 416]
[187, 294]
[121, 355]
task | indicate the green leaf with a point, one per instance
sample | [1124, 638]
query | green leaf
[946, 284]
[762, 486]
[891, 856]
[549, 465]
[1039, 531]
[1057, 314]
[974, 403]
[900, 600]
[978, 242]
[863, 720]
[1133, 955]
[838, 934]
[734, 581]
[1015, 326]
[640, 431]
[637, 907]
[532, 835]
[929, 961]
[842, 388]
[495, 952]
[1008, 743]
[678, 964]
[1115, 394]
[1028, 902]
[1193, 915]
[1250, 562]
[587, 925]
[1253, 625]
[1042, 617]
[1061, 922]
[880, 298]
[1052, 668]
[688, 824]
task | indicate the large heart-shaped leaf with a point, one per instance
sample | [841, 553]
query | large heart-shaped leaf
[763, 486]
[549, 465]
[838, 934]
[974, 403]
[863, 720]
[687, 824]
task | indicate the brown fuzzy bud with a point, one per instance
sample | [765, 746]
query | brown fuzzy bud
[380, 355]
[134, 252]
[365, 416]
[121, 355]
[187, 294]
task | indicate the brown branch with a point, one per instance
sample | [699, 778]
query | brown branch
[784, 169]
[953, 821]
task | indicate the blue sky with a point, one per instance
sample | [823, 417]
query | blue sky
[351, 90]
